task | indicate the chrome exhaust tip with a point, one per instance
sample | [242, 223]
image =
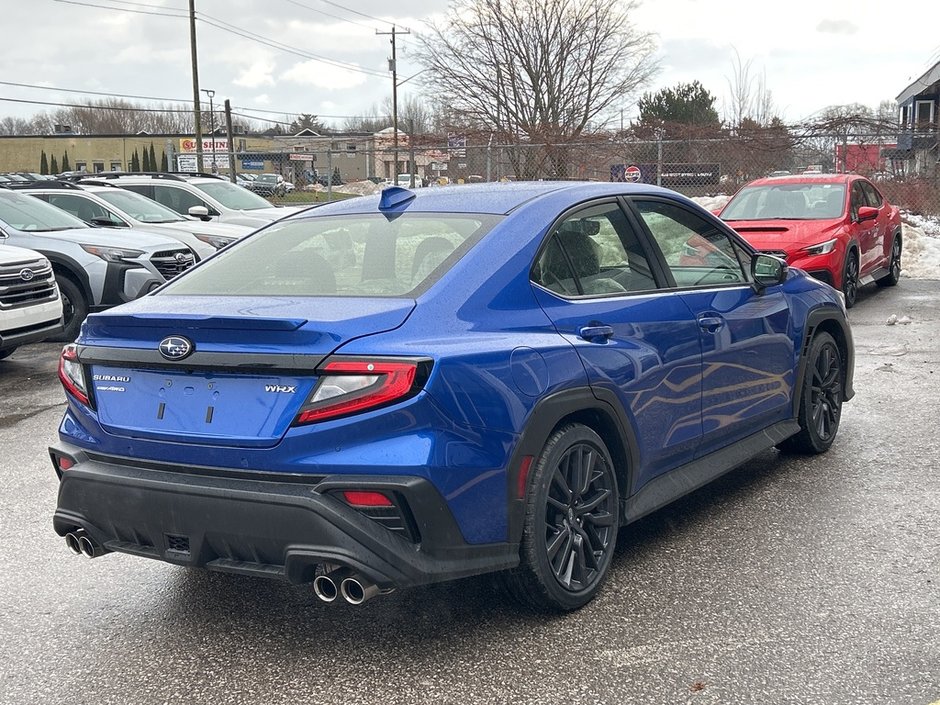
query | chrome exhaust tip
[355, 592]
[325, 588]
[90, 548]
[72, 541]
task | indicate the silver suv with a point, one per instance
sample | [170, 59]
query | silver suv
[204, 196]
[94, 268]
[102, 204]
[30, 306]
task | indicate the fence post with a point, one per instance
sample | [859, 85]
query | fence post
[659, 157]
[329, 179]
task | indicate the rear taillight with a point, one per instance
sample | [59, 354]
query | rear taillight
[71, 374]
[351, 386]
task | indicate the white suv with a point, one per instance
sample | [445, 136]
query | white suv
[30, 305]
[204, 196]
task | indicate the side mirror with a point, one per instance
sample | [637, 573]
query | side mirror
[867, 213]
[200, 212]
[3, 234]
[767, 270]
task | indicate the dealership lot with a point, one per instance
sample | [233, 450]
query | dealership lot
[804, 580]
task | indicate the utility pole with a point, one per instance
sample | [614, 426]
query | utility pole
[231, 140]
[211, 93]
[196, 105]
[392, 66]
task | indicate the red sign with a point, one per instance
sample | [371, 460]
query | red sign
[631, 173]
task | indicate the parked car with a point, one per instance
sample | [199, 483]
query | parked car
[270, 185]
[404, 180]
[102, 204]
[838, 227]
[204, 196]
[94, 268]
[30, 305]
[408, 388]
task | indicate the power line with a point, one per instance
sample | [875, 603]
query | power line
[323, 12]
[356, 12]
[119, 9]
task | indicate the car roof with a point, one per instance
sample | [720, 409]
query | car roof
[495, 198]
[813, 178]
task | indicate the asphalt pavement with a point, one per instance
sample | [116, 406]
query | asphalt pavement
[790, 580]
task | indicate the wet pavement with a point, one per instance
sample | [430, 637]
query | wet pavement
[790, 580]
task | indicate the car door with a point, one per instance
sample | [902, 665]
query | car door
[881, 245]
[864, 232]
[748, 355]
[595, 280]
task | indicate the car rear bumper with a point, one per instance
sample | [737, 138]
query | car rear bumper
[265, 525]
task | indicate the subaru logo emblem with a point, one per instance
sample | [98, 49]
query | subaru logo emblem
[176, 347]
[27, 274]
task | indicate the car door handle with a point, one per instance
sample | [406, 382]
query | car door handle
[711, 324]
[592, 333]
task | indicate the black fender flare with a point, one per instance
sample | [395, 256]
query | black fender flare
[580, 404]
[833, 320]
[73, 269]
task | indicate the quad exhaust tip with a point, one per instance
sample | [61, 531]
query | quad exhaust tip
[325, 588]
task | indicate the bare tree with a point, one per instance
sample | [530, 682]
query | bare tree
[537, 71]
[750, 99]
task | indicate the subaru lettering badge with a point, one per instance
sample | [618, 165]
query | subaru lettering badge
[27, 274]
[176, 347]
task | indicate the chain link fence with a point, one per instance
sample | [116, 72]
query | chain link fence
[904, 167]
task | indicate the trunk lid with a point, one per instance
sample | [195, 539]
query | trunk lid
[251, 367]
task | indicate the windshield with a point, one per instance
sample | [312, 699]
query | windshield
[139, 207]
[807, 201]
[27, 213]
[233, 196]
[357, 255]
[267, 178]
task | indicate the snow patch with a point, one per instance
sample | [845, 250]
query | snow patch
[920, 258]
[712, 203]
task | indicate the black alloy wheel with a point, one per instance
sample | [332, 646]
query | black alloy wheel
[571, 523]
[74, 309]
[894, 267]
[821, 400]
[850, 278]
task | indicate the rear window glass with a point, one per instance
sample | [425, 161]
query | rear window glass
[356, 255]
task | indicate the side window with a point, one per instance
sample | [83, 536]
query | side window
[696, 252]
[858, 199]
[142, 189]
[872, 197]
[83, 208]
[177, 199]
[594, 252]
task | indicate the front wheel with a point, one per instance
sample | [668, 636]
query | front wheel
[820, 399]
[894, 266]
[571, 521]
[850, 278]
[74, 309]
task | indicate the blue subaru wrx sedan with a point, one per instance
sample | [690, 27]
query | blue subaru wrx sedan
[414, 387]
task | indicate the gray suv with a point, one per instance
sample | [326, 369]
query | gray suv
[94, 268]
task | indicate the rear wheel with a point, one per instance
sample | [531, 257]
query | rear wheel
[850, 278]
[820, 399]
[74, 309]
[571, 522]
[894, 266]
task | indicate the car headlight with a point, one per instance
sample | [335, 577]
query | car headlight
[823, 248]
[217, 241]
[111, 254]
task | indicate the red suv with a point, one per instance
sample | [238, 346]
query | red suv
[837, 227]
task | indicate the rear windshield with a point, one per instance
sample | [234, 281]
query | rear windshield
[30, 214]
[232, 196]
[140, 207]
[354, 255]
[807, 201]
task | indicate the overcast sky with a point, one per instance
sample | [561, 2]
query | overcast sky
[814, 53]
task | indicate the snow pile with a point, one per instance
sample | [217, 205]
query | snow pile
[921, 256]
[359, 188]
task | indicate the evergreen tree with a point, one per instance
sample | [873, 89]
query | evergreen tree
[153, 158]
[145, 166]
[337, 181]
[43, 163]
[66, 166]
[687, 105]
[135, 161]
[164, 163]
[54, 166]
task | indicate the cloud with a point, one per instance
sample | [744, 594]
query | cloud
[322, 75]
[263, 99]
[258, 74]
[837, 27]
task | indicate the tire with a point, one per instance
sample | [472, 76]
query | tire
[820, 399]
[74, 307]
[850, 278]
[4, 354]
[556, 573]
[894, 267]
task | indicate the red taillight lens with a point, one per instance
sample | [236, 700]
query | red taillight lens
[71, 374]
[65, 463]
[362, 498]
[351, 386]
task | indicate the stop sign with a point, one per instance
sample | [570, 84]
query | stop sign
[632, 173]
